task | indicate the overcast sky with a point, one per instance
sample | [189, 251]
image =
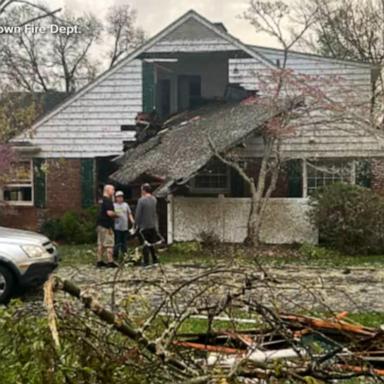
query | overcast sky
[154, 15]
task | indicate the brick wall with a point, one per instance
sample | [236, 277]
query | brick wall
[63, 183]
[63, 193]
[21, 217]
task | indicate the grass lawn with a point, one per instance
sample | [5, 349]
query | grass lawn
[77, 254]
[194, 253]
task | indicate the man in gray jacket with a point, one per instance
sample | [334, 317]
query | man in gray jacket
[147, 222]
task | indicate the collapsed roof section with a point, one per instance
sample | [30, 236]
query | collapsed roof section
[180, 150]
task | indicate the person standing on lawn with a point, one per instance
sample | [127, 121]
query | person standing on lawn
[124, 213]
[105, 226]
[147, 223]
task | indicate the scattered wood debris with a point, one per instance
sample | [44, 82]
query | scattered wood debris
[274, 345]
[336, 343]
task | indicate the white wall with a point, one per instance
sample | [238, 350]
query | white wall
[285, 221]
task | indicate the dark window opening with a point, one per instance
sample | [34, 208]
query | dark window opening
[20, 194]
[189, 92]
[213, 178]
[164, 97]
[128, 144]
[128, 128]
[105, 167]
[294, 173]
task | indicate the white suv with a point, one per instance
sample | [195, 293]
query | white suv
[26, 259]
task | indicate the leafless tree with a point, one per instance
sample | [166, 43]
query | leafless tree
[71, 52]
[285, 22]
[23, 59]
[7, 6]
[121, 28]
[40, 62]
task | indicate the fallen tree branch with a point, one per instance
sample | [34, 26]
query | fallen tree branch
[48, 301]
[55, 283]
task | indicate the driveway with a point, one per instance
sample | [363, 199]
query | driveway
[290, 288]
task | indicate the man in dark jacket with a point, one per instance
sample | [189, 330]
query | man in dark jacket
[147, 223]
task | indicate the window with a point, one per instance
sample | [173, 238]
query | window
[19, 189]
[322, 173]
[213, 178]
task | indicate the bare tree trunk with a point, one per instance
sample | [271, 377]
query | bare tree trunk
[254, 219]
[254, 222]
[270, 166]
[259, 194]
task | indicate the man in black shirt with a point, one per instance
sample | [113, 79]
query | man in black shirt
[105, 225]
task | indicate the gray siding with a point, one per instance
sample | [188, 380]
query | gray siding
[348, 74]
[90, 126]
[324, 142]
[315, 141]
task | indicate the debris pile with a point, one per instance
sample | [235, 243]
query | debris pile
[270, 346]
[306, 346]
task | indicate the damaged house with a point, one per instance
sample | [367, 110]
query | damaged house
[194, 74]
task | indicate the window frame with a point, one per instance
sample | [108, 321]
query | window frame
[211, 190]
[20, 203]
[352, 164]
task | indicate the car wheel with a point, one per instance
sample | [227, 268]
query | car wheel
[7, 284]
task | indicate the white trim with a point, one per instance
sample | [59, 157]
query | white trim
[17, 203]
[307, 55]
[20, 203]
[170, 219]
[351, 162]
[170, 28]
[353, 172]
[305, 180]
[161, 60]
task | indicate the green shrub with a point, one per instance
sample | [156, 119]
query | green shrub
[185, 248]
[53, 229]
[314, 252]
[350, 218]
[73, 227]
[209, 239]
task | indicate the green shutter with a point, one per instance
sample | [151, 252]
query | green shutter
[364, 173]
[39, 183]
[148, 87]
[295, 178]
[87, 183]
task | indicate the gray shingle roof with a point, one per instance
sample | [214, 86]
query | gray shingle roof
[182, 149]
